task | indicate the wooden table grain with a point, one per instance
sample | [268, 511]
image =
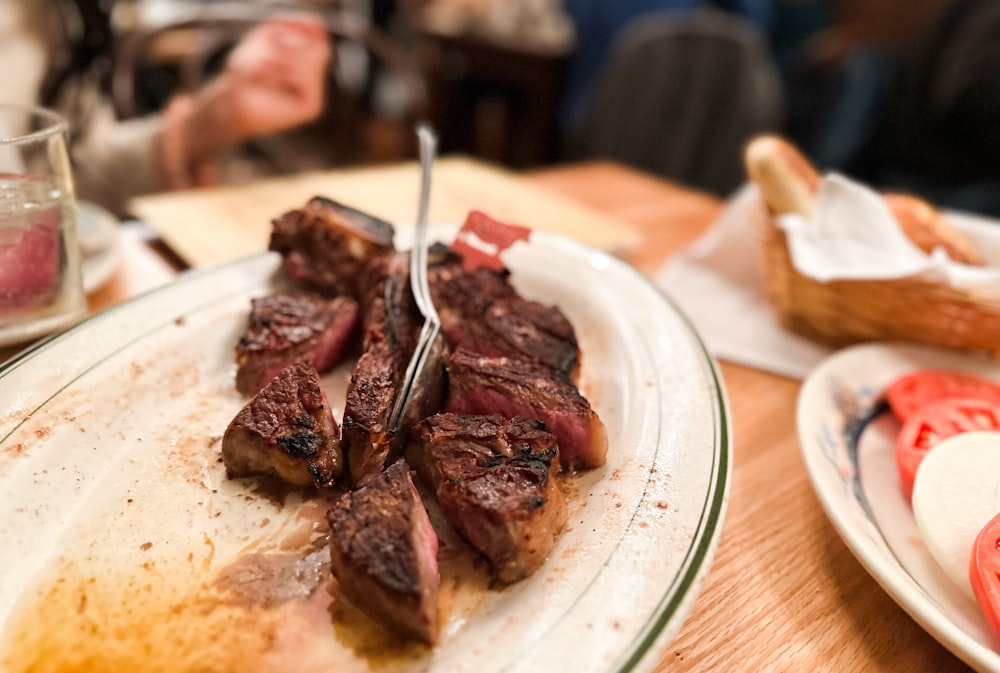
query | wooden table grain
[784, 592]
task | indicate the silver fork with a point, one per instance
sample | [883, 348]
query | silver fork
[423, 370]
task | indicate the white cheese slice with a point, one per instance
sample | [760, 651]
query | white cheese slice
[956, 493]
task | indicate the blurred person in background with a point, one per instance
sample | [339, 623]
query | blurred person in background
[57, 53]
[793, 22]
[905, 95]
[597, 24]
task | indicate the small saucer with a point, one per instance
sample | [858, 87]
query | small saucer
[100, 244]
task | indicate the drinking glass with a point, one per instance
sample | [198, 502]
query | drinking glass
[41, 289]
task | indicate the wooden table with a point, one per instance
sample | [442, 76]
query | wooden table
[784, 592]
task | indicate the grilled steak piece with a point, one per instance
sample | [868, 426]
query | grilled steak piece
[496, 482]
[483, 384]
[527, 330]
[389, 312]
[325, 244]
[481, 312]
[391, 326]
[458, 292]
[383, 553]
[290, 326]
[370, 396]
[287, 430]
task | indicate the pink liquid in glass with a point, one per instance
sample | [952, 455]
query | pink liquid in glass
[32, 255]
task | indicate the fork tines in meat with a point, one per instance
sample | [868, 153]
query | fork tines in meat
[326, 244]
[484, 384]
[286, 327]
[383, 553]
[287, 430]
[495, 480]
[481, 312]
[389, 312]
[391, 326]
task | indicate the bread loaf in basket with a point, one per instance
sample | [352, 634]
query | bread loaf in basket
[843, 312]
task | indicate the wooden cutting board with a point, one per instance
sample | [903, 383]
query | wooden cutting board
[211, 226]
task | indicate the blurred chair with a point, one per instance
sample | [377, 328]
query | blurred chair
[680, 96]
[375, 92]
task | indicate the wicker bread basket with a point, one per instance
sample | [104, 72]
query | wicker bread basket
[845, 312]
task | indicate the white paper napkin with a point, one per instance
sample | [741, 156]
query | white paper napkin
[718, 281]
[855, 236]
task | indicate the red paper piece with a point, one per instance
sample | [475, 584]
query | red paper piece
[480, 234]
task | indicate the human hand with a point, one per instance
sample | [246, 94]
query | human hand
[273, 79]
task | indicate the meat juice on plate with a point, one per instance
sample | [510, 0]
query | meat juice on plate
[39, 256]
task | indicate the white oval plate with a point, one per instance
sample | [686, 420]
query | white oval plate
[118, 515]
[847, 437]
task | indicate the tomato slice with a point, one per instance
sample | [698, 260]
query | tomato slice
[984, 572]
[936, 421]
[912, 391]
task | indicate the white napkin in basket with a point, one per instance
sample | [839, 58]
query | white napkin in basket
[718, 281]
[854, 235]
